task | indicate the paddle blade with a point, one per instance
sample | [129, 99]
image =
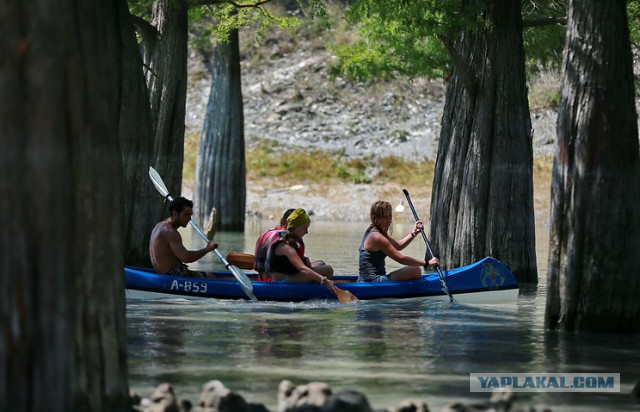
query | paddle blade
[344, 296]
[242, 260]
[245, 282]
[158, 183]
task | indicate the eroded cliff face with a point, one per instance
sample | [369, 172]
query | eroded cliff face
[290, 98]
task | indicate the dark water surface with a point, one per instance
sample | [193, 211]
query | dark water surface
[389, 350]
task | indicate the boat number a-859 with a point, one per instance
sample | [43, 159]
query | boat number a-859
[189, 286]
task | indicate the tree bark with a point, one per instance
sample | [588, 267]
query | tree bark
[141, 203]
[220, 167]
[167, 85]
[62, 326]
[593, 282]
[482, 199]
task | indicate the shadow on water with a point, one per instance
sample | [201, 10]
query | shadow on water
[389, 349]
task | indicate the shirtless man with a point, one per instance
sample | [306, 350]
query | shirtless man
[168, 254]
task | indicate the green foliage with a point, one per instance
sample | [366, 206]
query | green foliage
[543, 43]
[141, 8]
[633, 14]
[351, 170]
[215, 19]
[215, 22]
[219, 20]
[399, 37]
[411, 38]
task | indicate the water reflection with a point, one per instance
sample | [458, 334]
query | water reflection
[390, 350]
[369, 323]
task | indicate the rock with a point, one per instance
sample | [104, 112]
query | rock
[410, 405]
[347, 401]
[134, 398]
[185, 406]
[502, 400]
[635, 392]
[163, 399]
[461, 407]
[291, 396]
[256, 407]
[215, 397]
[306, 408]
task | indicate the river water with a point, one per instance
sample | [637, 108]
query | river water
[388, 350]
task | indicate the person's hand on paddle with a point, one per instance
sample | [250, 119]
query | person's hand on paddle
[434, 261]
[211, 245]
[417, 228]
[328, 283]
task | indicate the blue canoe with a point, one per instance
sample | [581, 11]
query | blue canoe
[486, 281]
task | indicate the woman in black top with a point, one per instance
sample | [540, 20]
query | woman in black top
[377, 245]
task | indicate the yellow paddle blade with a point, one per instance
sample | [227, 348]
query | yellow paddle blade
[344, 296]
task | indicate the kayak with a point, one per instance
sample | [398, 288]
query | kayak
[485, 281]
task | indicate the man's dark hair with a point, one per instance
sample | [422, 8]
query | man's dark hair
[179, 204]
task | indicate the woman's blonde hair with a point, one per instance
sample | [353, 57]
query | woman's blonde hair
[377, 212]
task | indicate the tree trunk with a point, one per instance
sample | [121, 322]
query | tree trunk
[482, 199]
[141, 203]
[62, 326]
[167, 85]
[594, 274]
[220, 167]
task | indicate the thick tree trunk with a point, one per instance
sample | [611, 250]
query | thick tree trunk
[594, 272]
[167, 85]
[482, 201]
[141, 206]
[62, 325]
[220, 168]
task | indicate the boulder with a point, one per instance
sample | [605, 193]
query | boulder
[216, 397]
[291, 396]
[347, 401]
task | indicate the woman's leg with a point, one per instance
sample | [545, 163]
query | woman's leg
[322, 268]
[405, 273]
[276, 276]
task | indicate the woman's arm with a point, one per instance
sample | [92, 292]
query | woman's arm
[377, 241]
[284, 249]
[404, 242]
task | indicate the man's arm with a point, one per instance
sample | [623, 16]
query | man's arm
[188, 256]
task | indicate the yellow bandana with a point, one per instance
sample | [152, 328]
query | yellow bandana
[297, 218]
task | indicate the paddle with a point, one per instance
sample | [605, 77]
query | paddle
[241, 260]
[443, 282]
[245, 261]
[244, 281]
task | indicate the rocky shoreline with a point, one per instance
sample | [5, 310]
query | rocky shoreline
[309, 397]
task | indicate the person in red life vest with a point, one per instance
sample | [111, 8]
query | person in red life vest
[264, 243]
[285, 260]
